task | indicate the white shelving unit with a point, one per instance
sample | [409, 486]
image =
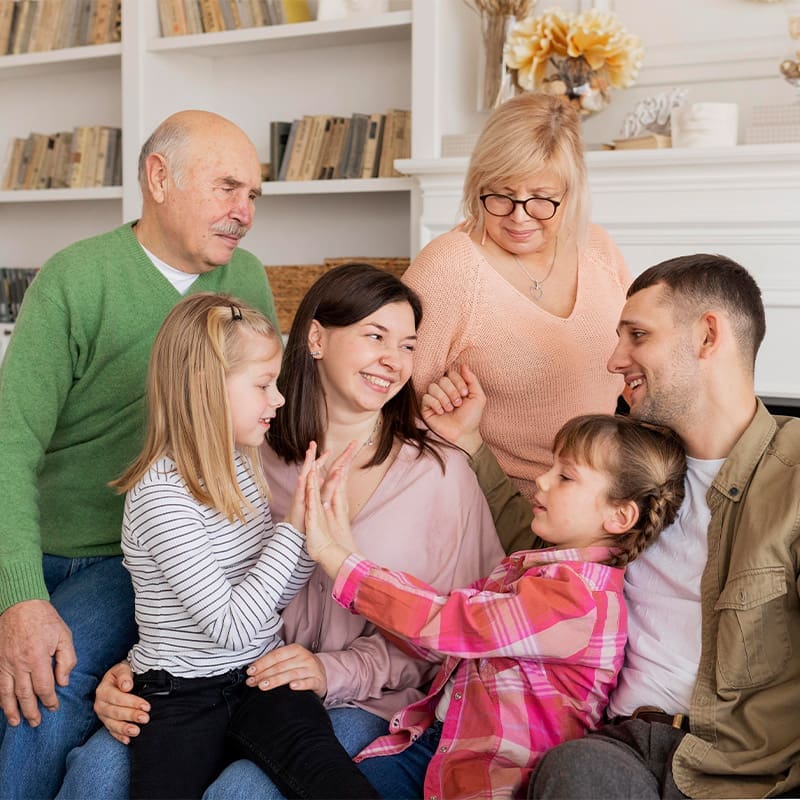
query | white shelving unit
[252, 76]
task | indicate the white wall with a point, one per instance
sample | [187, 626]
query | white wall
[720, 50]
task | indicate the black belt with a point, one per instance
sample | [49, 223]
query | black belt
[655, 714]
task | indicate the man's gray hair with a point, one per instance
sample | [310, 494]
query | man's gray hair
[170, 139]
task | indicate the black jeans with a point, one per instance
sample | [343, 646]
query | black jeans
[182, 749]
[290, 736]
[198, 725]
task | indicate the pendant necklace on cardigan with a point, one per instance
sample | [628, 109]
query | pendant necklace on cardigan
[366, 481]
[371, 439]
[535, 288]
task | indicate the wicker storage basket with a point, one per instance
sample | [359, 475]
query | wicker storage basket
[290, 282]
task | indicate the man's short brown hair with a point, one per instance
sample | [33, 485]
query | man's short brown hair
[701, 282]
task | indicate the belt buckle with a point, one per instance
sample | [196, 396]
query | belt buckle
[677, 721]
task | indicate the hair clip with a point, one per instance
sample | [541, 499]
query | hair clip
[236, 312]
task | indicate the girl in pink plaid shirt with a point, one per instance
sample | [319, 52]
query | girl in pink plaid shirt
[530, 653]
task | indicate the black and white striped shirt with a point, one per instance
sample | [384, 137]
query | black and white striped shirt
[208, 591]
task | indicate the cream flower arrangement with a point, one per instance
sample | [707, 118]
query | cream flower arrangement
[578, 55]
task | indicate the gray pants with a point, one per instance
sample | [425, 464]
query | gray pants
[632, 760]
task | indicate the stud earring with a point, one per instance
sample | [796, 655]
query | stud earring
[316, 354]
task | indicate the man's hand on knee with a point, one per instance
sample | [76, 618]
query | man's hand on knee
[32, 635]
[116, 707]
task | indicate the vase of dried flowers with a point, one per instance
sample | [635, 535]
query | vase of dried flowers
[579, 56]
[586, 88]
[497, 19]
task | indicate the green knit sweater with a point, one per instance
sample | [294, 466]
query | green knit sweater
[72, 406]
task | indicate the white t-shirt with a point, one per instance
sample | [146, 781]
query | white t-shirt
[181, 280]
[662, 589]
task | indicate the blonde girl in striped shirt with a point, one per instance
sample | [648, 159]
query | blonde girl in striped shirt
[210, 571]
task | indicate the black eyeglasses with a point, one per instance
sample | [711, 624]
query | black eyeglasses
[501, 205]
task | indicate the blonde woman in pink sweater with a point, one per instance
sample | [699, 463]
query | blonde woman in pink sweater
[525, 291]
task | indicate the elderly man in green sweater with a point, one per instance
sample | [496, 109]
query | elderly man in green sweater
[72, 410]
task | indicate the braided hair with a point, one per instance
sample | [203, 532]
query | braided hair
[645, 464]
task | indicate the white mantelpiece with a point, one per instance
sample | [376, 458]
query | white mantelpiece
[743, 202]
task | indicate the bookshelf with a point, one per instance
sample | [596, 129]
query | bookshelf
[76, 58]
[388, 27]
[253, 76]
[61, 195]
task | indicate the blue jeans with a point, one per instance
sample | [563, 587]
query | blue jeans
[100, 770]
[95, 599]
[402, 776]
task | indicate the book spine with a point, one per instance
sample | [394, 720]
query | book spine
[372, 147]
[7, 8]
[44, 179]
[211, 15]
[22, 28]
[287, 153]
[298, 150]
[344, 152]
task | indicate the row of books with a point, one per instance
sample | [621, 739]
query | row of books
[324, 147]
[33, 26]
[13, 283]
[182, 17]
[87, 156]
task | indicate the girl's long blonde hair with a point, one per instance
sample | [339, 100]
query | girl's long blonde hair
[199, 344]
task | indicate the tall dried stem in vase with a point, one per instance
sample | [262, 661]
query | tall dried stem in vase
[497, 16]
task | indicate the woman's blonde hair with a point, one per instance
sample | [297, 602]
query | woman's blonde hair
[199, 344]
[525, 135]
[644, 463]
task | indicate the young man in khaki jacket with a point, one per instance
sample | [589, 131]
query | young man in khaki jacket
[707, 701]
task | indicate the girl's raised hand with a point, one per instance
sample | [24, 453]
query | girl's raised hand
[334, 497]
[297, 510]
[329, 538]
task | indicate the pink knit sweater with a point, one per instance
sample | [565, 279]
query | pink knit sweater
[538, 370]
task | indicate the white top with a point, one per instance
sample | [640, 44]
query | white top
[181, 280]
[208, 591]
[662, 589]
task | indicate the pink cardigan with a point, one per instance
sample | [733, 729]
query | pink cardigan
[538, 370]
[436, 525]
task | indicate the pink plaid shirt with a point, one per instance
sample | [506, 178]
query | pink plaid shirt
[532, 653]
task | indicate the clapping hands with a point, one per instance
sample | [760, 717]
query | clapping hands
[329, 538]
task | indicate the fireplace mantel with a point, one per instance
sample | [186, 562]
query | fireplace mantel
[743, 202]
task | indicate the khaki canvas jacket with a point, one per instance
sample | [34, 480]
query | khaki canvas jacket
[745, 709]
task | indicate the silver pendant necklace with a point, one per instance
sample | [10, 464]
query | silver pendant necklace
[535, 288]
[371, 440]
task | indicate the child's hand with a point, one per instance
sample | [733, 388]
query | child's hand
[453, 406]
[329, 538]
[334, 497]
[297, 511]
